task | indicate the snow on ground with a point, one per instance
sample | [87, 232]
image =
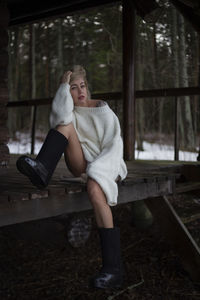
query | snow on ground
[152, 151]
[22, 144]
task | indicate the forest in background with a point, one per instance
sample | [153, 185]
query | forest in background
[167, 55]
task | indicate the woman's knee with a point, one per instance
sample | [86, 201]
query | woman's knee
[76, 173]
[65, 129]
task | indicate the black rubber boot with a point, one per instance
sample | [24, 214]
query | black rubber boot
[40, 169]
[111, 273]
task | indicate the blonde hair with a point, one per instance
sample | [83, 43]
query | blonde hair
[79, 72]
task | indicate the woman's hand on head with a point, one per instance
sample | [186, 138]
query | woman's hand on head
[66, 77]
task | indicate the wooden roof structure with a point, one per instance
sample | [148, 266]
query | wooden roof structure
[23, 11]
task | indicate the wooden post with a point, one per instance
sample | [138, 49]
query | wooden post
[128, 79]
[33, 129]
[176, 130]
[4, 20]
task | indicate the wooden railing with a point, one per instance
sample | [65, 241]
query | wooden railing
[155, 93]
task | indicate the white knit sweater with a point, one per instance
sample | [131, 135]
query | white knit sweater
[99, 133]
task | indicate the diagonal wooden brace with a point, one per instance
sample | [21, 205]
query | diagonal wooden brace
[177, 234]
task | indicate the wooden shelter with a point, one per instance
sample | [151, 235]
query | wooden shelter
[20, 202]
[16, 12]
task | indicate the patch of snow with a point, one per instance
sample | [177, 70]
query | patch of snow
[22, 144]
[152, 151]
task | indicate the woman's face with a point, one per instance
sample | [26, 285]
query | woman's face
[78, 91]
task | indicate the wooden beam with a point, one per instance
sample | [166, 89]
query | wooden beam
[128, 78]
[39, 11]
[170, 92]
[177, 234]
[24, 203]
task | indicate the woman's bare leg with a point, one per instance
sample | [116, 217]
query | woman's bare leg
[77, 165]
[102, 210]
[73, 154]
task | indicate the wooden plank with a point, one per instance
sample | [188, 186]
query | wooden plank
[48, 101]
[26, 207]
[31, 12]
[40, 208]
[144, 190]
[177, 234]
[187, 187]
[168, 92]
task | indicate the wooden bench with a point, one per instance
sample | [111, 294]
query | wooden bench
[148, 181]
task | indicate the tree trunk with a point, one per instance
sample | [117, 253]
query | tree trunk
[149, 53]
[60, 50]
[14, 119]
[196, 77]
[47, 74]
[12, 113]
[157, 82]
[32, 83]
[198, 83]
[189, 141]
[175, 68]
[139, 102]
[4, 20]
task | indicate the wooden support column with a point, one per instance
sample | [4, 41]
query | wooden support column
[128, 79]
[4, 19]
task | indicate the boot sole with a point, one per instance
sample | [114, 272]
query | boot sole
[28, 171]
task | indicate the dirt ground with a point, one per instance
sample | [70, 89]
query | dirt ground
[37, 261]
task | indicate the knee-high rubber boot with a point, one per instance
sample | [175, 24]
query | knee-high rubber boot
[111, 273]
[40, 169]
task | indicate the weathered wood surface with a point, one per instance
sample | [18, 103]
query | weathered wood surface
[149, 181]
[20, 201]
[177, 234]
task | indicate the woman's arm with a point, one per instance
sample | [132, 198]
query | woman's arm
[62, 105]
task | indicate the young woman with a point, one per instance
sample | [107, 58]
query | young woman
[88, 133]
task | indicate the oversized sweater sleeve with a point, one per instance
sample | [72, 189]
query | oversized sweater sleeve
[62, 107]
[108, 164]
